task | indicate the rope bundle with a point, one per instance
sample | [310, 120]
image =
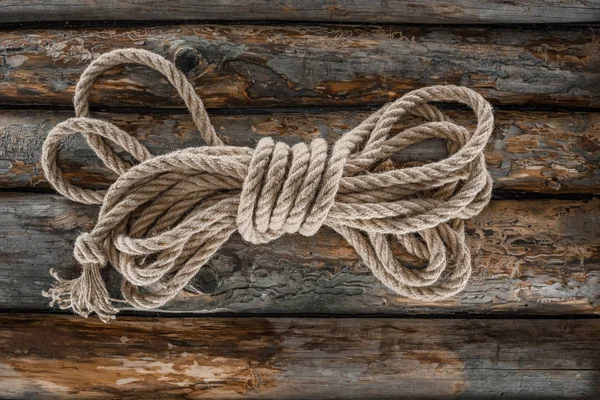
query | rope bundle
[164, 218]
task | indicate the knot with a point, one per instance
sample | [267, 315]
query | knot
[164, 218]
[87, 251]
[281, 193]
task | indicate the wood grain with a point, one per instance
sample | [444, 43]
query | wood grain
[298, 358]
[257, 66]
[529, 257]
[543, 152]
[391, 11]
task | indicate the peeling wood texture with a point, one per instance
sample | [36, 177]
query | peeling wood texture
[298, 358]
[529, 257]
[535, 262]
[257, 66]
[390, 11]
[545, 152]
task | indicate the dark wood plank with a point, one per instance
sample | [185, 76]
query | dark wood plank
[545, 152]
[250, 65]
[43, 356]
[529, 257]
[391, 11]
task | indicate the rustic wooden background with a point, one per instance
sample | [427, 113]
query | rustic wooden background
[303, 317]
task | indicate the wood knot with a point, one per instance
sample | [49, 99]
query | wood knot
[189, 61]
[553, 184]
[205, 281]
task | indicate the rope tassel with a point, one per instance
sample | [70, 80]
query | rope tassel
[86, 294]
[164, 218]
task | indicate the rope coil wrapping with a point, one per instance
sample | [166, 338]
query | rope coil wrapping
[164, 218]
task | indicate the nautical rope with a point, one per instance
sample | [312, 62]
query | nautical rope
[164, 218]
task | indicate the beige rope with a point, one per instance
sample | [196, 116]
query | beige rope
[164, 218]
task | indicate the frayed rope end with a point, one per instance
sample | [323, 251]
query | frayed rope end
[84, 295]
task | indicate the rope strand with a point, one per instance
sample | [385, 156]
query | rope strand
[165, 217]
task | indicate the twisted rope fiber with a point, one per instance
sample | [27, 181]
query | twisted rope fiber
[164, 218]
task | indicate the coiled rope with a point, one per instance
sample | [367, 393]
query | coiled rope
[164, 218]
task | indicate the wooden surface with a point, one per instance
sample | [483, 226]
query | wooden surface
[526, 327]
[298, 358]
[259, 66]
[543, 152]
[529, 257]
[404, 11]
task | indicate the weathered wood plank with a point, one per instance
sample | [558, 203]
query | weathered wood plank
[236, 65]
[529, 257]
[544, 152]
[298, 358]
[391, 11]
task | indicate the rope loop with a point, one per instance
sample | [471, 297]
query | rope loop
[280, 192]
[88, 251]
[166, 216]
